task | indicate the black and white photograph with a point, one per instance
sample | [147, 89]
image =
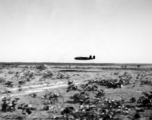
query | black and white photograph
[75, 59]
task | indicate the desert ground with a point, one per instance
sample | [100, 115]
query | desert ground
[75, 92]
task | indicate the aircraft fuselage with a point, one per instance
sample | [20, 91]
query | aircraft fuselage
[85, 58]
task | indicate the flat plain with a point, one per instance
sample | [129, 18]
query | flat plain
[75, 92]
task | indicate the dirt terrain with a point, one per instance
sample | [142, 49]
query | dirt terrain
[30, 83]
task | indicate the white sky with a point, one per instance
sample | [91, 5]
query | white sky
[115, 31]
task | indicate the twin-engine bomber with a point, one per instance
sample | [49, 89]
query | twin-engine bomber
[85, 58]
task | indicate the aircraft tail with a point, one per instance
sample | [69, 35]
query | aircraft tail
[93, 57]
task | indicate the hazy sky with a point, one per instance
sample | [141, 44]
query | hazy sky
[115, 31]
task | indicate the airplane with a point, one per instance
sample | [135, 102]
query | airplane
[85, 58]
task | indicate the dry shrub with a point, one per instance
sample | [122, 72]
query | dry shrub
[2, 80]
[10, 72]
[48, 75]
[42, 79]
[41, 67]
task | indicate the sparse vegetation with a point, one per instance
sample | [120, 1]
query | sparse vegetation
[112, 93]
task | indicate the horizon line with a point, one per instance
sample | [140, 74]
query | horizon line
[75, 63]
